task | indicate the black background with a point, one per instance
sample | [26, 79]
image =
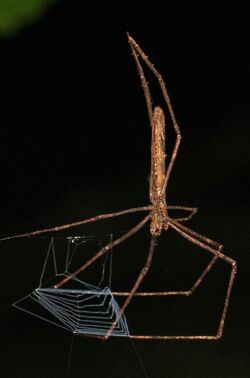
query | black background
[75, 142]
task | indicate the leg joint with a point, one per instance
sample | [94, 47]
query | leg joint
[234, 265]
[145, 270]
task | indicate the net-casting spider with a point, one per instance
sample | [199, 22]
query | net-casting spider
[158, 216]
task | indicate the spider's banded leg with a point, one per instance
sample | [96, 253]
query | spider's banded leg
[169, 106]
[137, 283]
[79, 223]
[192, 210]
[103, 250]
[217, 254]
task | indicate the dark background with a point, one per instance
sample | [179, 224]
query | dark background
[75, 142]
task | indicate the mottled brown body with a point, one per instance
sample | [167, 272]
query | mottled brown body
[158, 173]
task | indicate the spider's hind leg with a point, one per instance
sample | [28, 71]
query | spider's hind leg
[216, 246]
[199, 240]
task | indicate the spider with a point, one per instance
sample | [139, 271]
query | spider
[157, 211]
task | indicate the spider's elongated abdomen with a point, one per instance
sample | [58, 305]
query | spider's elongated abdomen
[158, 155]
[158, 172]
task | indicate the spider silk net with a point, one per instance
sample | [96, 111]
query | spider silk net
[80, 307]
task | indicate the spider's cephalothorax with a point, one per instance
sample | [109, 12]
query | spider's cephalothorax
[158, 173]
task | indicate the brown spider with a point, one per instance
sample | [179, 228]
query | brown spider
[157, 211]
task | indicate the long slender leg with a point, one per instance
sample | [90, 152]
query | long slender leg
[216, 245]
[217, 254]
[192, 210]
[104, 250]
[147, 95]
[169, 105]
[198, 281]
[188, 292]
[142, 274]
[197, 235]
[79, 223]
[220, 255]
[144, 83]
